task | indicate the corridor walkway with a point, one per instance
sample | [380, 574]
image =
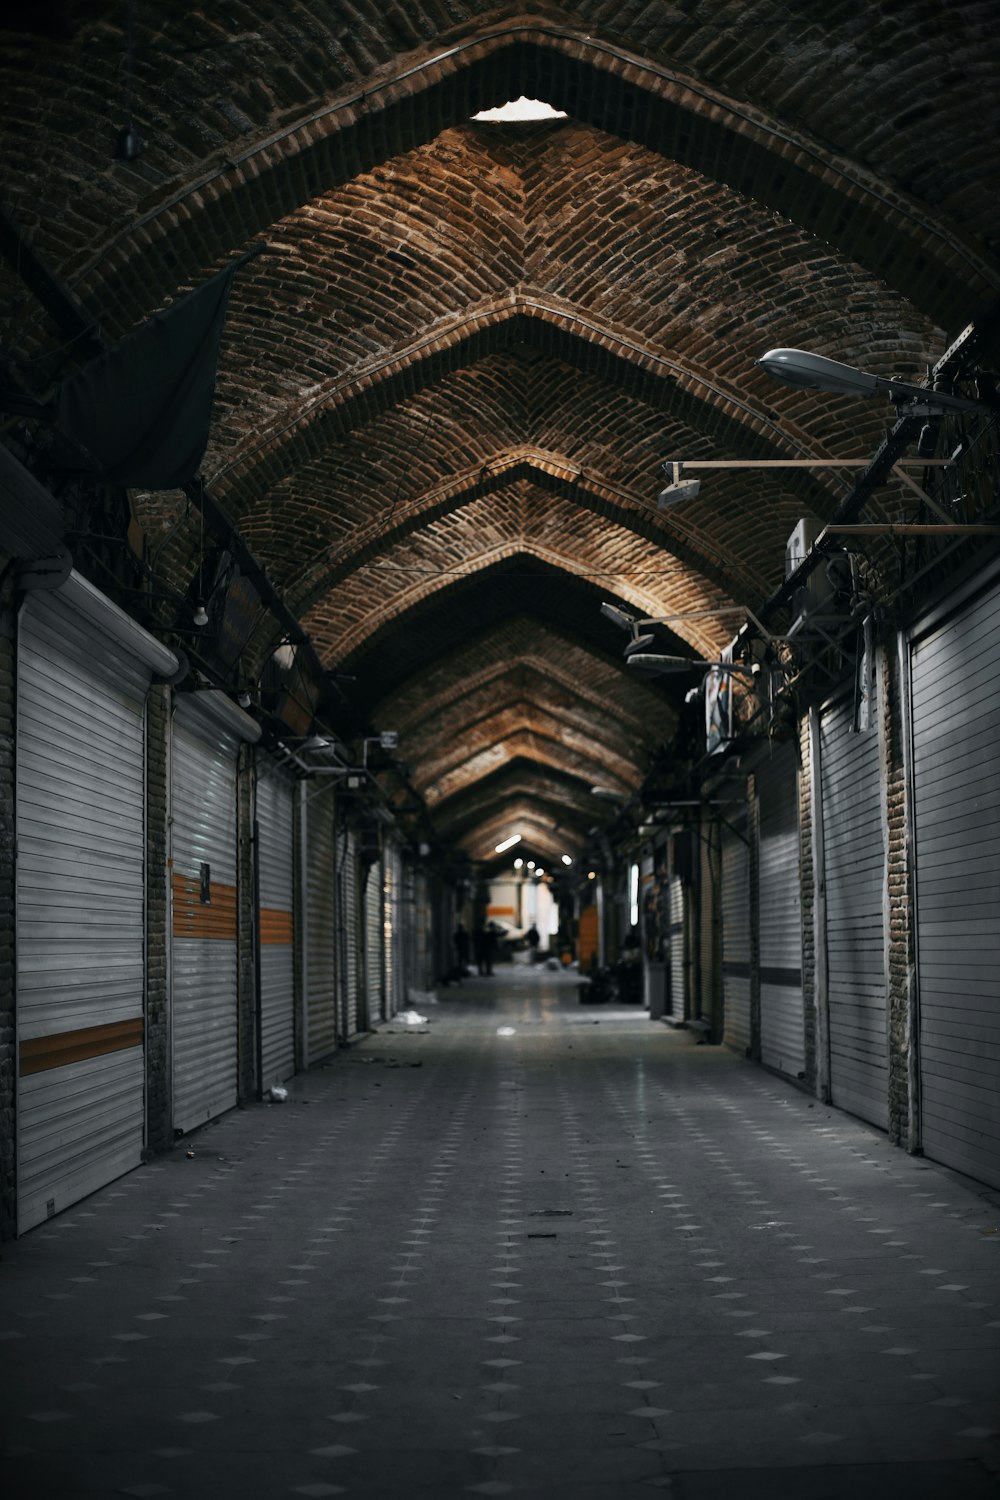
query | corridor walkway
[534, 1249]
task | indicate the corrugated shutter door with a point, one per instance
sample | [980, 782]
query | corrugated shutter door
[320, 926]
[782, 1027]
[391, 927]
[347, 929]
[275, 800]
[374, 944]
[736, 936]
[203, 943]
[955, 694]
[80, 908]
[676, 948]
[855, 868]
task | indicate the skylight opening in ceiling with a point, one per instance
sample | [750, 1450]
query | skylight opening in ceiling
[520, 109]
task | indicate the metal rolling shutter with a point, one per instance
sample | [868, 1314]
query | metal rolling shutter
[275, 799]
[676, 897]
[374, 944]
[855, 949]
[392, 932]
[203, 944]
[955, 698]
[321, 1027]
[347, 930]
[80, 786]
[736, 937]
[782, 1026]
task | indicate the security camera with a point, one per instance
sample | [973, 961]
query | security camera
[678, 489]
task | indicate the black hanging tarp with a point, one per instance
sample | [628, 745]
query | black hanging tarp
[142, 409]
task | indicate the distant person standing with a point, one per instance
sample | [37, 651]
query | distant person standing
[461, 942]
[532, 939]
[486, 947]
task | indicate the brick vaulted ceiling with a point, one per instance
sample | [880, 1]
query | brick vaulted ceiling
[446, 390]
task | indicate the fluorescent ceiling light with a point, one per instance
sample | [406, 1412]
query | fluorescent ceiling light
[515, 838]
[566, 860]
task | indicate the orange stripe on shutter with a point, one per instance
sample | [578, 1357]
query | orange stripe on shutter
[38, 1054]
[276, 926]
[194, 918]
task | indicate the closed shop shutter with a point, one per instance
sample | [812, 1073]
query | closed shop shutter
[80, 900]
[203, 957]
[855, 951]
[320, 977]
[392, 910]
[955, 698]
[374, 944]
[782, 1028]
[347, 929]
[736, 936]
[676, 948]
[275, 802]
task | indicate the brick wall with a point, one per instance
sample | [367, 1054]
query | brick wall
[8, 1036]
[157, 1028]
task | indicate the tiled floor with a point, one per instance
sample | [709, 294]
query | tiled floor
[589, 1259]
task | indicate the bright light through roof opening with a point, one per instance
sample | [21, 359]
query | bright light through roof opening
[521, 109]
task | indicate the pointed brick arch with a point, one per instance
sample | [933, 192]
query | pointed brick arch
[559, 534]
[599, 82]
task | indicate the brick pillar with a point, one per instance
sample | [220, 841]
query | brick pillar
[8, 1033]
[157, 1027]
[897, 898]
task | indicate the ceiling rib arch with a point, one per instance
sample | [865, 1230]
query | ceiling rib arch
[694, 555]
[343, 634]
[689, 391]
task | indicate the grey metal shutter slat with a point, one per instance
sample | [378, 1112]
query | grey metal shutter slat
[391, 899]
[203, 970]
[347, 888]
[782, 1027]
[676, 898]
[854, 854]
[275, 805]
[736, 938]
[80, 903]
[956, 787]
[374, 943]
[320, 925]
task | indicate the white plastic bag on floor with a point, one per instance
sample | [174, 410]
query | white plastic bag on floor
[412, 1018]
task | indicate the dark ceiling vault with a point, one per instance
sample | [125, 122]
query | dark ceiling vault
[446, 390]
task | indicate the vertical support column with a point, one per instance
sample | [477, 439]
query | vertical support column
[157, 1009]
[820, 987]
[753, 839]
[892, 680]
[301, 948]
[807, 897]
[8, 1115]
[246, 925]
